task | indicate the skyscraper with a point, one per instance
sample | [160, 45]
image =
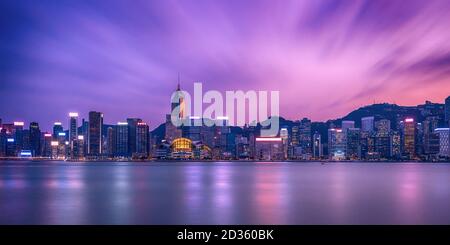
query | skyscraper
[132, 125]
[444, 141]
[57, 128]
[122, 140]
[305, 138]
[317, 146]
[95, 133]
[409, 137]
[35, 139]
[73, 126]
[353, 138]
[383, 126]
[177, 102]
[142, 140]
[447, 111]
[336, 144]
[367, 124]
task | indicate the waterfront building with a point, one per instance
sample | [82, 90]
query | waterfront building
[95, 134]
[396, 145]
[142, 140]
[269, 148]
[121, 134]
[353, 138]
[336, 144]
[35, 139]
[317, 146]
[409, 133]
[182, 148]
[305, 140]
[444, 141]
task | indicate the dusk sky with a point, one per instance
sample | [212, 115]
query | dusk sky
[122, 57]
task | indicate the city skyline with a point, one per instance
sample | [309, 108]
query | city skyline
[326, 58]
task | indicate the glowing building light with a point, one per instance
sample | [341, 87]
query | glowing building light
[19, 123]
[58, 123]
[339, 130]
[61, 134]
[142, 123]
[47, 135]
[122, 123]
[73, 114]
[268, 139]
[80, 137]
[67, 142]
[409, 120]
[25, 153]
[10, 140]
[54, 143]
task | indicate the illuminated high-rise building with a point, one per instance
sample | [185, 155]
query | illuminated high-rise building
[95, 134]
[409, 134]
[305, 141]
[132, 126]
[444, 141]
[336, 144]
[57, 128]
[353, 138]
[142, 140]
[122, 140]
[383, 126]
[317, 146]
[73, 126]
[177, 102]
[35, 139]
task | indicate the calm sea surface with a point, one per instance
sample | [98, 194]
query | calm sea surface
[224, 193]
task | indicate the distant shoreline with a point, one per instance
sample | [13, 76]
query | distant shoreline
[244, 161]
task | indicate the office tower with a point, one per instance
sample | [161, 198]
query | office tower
[383, 126]
[111, 141]
[177, 102]
[409, 133]
[142, 140]
[317, 146]
[57, 128]
[269, 148]
[132, 126]
[367, 124]
[295, 139]
[336, 144]
[35, 139]
[284, 135]
[382, 145]
[347, 124]
[95, 134]
[305, 138]
[444, 141]
[122, 140]
[78, 147]
[73, 126]
[19, 136]
[429, 136]
[353, 138]
[447, 111]
[3, 138]
[47, 147]
[396, 144]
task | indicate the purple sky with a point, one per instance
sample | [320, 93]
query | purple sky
[122, 57]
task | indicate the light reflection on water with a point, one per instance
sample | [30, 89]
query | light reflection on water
[224, 193]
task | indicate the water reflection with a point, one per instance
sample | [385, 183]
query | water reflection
[224, 193]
